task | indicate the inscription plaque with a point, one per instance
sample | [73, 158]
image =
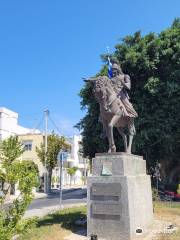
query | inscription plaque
[106, 189]
[107, 169]
[106, 209]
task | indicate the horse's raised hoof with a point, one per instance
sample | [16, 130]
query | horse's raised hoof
[112, 149]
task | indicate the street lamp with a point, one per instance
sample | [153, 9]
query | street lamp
[46, 187]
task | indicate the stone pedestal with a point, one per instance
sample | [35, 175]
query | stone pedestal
[119, 197]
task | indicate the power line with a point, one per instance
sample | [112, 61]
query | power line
[55, 125]
[38, 125]
[52, 121]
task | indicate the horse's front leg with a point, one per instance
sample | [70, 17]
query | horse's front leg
[124, 137]
[112, 123]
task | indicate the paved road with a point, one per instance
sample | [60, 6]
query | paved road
[69, 196]
[40, 207]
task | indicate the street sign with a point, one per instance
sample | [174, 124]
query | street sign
[62, 156]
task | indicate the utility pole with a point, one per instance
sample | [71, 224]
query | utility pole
[60, 179]
[84, 170]
[46, 190]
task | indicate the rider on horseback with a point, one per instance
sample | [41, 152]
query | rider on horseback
[115, 108]
[121, 83]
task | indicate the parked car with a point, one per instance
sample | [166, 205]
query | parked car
[177, 197]
[172, 195]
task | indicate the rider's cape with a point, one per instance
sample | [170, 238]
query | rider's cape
[122, 94]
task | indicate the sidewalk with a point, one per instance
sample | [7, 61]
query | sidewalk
[37, 195]
[49, 210]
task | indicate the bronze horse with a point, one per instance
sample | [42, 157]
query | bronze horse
[112, 112]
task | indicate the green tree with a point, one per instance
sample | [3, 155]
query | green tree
[153, 63]
[10, 150]
[55, 144]
[71, 171]
[14, 171]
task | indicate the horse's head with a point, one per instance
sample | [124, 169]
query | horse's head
[99, 84]
[90, 80]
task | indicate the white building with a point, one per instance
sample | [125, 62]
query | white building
[74, 155]
[74, 159]
[9, 124]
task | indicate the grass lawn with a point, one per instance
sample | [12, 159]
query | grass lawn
[55, 226]
[60, 224]
[168, 211]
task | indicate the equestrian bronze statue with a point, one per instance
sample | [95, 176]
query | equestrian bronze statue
[115, 107]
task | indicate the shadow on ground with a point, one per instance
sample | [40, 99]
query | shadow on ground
[65, 219]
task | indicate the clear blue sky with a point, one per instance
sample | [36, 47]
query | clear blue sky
[46, 46]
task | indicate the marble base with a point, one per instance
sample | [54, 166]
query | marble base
[119, 204]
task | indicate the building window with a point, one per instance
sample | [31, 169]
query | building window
[27, 145]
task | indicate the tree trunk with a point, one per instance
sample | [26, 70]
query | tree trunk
[7, 190]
